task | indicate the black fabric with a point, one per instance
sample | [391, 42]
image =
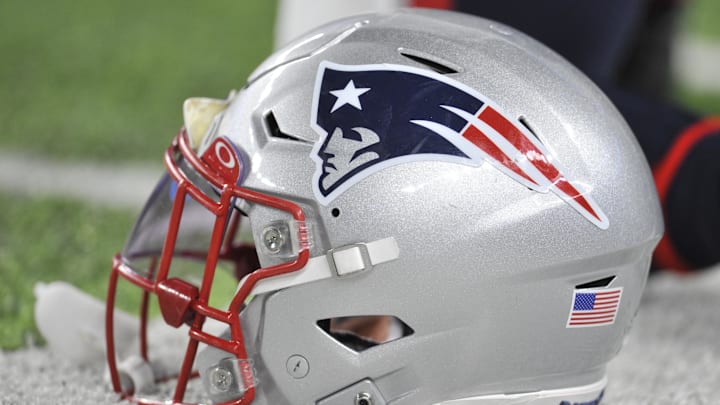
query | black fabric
[656, 123]
[692, 208]
[593, 35]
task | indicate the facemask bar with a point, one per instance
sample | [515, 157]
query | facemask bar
[187, 301]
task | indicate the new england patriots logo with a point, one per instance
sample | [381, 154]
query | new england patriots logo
[370, 117]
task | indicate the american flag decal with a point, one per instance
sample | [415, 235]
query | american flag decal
[594, 307]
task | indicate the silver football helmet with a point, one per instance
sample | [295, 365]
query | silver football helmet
[438, 210]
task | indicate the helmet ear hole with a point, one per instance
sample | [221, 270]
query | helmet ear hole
[360, 333]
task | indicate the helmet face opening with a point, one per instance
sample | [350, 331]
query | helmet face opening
[188, 227]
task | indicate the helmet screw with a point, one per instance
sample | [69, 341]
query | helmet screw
[363, 398]
[273, 239]
[221, 379]
[297, 366]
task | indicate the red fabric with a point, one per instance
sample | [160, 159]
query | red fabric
[441, 4]
[666, 255]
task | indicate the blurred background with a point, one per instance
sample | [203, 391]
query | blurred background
[91, 89]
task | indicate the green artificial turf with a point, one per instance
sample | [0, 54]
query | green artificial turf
[48, 240]
[701, 18]
[706, 103]
[98, 80]
[52, 239]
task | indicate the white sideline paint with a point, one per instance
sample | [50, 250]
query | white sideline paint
[123, 185]
[696, 63]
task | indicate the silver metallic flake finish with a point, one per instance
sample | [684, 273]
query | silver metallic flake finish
[487, 267]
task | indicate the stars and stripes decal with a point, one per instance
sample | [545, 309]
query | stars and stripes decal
[371, 117]
[594, 307]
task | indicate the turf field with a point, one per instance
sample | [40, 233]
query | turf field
[47, 240]
[104, 81]
[702, 18]
[101, 81]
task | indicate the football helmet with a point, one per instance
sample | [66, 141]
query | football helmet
[421, 207]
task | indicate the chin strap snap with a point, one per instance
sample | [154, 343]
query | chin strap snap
[338, 262]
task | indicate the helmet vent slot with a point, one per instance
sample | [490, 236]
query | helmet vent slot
[436, 64]
[360, 333]
[526, 124]
[599, 283]
[274, 131]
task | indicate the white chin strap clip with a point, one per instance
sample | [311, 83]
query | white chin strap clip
[338, 262]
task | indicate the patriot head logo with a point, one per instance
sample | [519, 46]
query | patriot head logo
[370, 117]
